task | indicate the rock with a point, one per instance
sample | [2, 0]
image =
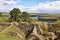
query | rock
[38, 37]
[5, 24]
[23, 26]
[35, 32]
[50, 35]
[14, 23]
[58, 35]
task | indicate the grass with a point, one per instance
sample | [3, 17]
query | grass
[3, 19]
[43, 27]
[7, 36]
[15, 29]
[4, 36]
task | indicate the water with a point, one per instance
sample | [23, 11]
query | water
[36, 18]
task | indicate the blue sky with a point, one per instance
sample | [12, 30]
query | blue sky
[34, 6]
[33, 2]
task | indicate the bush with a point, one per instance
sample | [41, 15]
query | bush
[43, 27]
[31, 20]
[56, 26]
[57, 23]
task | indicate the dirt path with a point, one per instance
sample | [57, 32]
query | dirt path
[20, 36]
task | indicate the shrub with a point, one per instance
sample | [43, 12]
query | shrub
[57, 23]
[43, 27]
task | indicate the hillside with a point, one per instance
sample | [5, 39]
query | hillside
[11, 33]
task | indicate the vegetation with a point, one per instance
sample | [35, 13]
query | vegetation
[56, 26]
[4, 36]
[43, 27]
[14, 14]
[25, 17]
[3, 19]
[8, 36]
[57, 23]
[0, 14]
[18, 16]
[33, 20]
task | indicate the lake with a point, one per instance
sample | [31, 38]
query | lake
[36, 18]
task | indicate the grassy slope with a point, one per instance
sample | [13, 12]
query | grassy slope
[6, 36]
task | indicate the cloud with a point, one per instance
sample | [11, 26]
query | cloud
[9, 2]
[7, 5]
[48, 7]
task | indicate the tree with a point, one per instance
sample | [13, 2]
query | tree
[14, 14]
[25, 16]
[0, 14]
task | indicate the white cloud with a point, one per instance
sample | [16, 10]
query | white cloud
[47, 7]
[9, 2]
[6, 5]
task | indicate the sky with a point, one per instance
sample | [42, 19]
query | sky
[32, 6]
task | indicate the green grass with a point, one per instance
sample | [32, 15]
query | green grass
[7, 36]
[3, 19]
[15, 29]
[4, 36]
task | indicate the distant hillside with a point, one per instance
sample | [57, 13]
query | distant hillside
[56, 14]
[5, 13]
